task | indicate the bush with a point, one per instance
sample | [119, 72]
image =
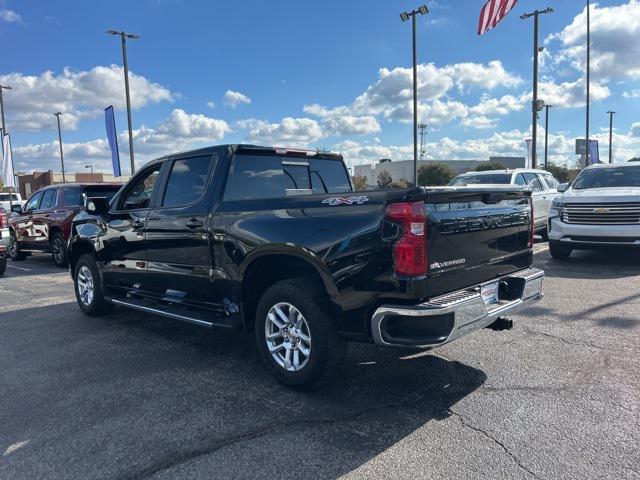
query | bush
[435, 174]
[384, 179]
[402, 183]
[359, 182]
[491, 165]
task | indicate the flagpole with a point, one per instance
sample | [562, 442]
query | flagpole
[586, 163]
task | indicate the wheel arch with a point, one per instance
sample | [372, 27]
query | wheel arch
[76, 250]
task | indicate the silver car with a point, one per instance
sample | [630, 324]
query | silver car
[543, 186]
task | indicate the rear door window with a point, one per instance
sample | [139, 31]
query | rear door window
[187, 181]
[49, 199]
[533, 181]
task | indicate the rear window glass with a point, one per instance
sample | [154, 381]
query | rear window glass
[5, 197]
[487, 179]
[75, 196]
[608, 177]
[255, 177]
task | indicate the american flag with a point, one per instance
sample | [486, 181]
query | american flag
[492, 12]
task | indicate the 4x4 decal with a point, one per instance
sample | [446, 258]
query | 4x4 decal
[333, 201]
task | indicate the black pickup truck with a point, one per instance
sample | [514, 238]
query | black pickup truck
[276, 241]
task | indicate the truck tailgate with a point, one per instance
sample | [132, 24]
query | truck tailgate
[475, 235]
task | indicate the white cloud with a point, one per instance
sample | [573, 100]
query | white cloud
[77, 94]
[635, 130]
[180, 131]
[290, 132]
[233, 99]
[9, 16]
[615, 49]
[632, 94]
[340, 122]
[570, 94]
[211, 104]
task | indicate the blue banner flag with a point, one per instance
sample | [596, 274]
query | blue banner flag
[112, 137]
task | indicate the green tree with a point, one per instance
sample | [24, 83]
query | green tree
[563, 174]
[359, 182]
[384, 179]
[435, 174]
[491, 165]
[635, 159]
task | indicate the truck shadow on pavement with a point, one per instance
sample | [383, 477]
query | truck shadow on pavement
[135, 396]
[604, 264]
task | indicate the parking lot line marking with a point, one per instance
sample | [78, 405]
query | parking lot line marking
[540, 250]
[19, 268]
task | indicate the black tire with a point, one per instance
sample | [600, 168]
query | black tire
[544, 233]
[3, 264]
[326, 348]
[95, 305]
[14, 250]
[59, 249]
[559, 252]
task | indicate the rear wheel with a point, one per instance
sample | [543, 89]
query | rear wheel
[3, 264]
[88, 287]
[559, 252]
[296, 336]
[58, 250]
[544, 233]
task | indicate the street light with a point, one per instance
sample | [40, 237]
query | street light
[3, 87]
[422, 10]
[57, 114]
[546, 135]
[91, 167]
[123, 35]
[611, 114]
[535, 105]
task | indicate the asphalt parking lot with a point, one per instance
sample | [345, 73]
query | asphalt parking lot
[131, 396]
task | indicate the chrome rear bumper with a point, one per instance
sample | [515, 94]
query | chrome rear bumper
[445, 318]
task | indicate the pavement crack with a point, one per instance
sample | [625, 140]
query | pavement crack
[486, 434]
[562, 339]
[170, 461]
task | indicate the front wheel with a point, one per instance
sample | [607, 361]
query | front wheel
[296, 336]
[559, 252]
[88, 287]
[14, 249]
[58, 250]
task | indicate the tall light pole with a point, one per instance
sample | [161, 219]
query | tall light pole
[546, 135]
[535, 106]
[588, 81]
[57, 114]
[123, 35]
[423, 10]
[611, 114]
[91, 167]
[423, 133]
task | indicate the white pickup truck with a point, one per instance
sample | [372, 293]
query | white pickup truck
[600, 209]
[9, 199]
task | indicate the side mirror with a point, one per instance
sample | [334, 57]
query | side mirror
[16, 208]
[563, 187]
[97, 205]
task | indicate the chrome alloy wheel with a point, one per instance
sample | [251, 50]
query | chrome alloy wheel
[85, 285]
[288, 337]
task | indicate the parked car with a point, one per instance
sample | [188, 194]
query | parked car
[275, 241]
[4, 239]
[8, 200]
[543, 187]
[601, 208]
[44, 223]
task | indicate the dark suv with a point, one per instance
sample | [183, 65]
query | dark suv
[44, 223]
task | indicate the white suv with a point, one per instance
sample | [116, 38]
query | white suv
[601, 208]
[543, 186]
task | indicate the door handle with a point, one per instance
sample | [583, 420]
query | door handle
[194, 223]
[136, 223]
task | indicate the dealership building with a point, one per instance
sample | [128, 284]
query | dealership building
[403, 169]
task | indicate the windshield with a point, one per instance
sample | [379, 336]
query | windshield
[487, 179]
[608, 177]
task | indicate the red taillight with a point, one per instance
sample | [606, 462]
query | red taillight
[410, 251]
[531, 227]
[4, 218]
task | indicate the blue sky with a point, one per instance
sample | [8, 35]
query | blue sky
[318, 74]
